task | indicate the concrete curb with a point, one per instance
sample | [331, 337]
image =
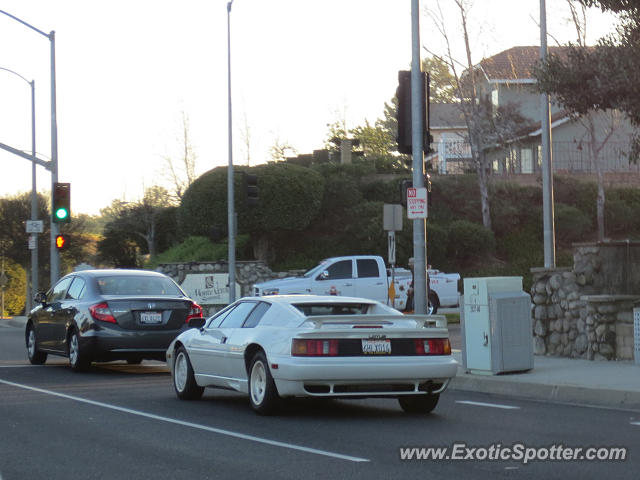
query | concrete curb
[573, 394]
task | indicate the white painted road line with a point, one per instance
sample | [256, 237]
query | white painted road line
[220, 431]
[637, 424]
[490, 405]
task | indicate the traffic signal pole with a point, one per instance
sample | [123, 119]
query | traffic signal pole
[417, 138]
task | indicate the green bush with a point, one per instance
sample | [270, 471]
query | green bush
[468, 240]
[14, 292]
[571, 223]
[197, 249]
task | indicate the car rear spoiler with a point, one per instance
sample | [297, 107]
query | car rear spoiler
[421, 321]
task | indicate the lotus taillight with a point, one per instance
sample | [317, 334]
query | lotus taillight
[301, 347]
[432, 346]
[101, 312]
[194, 312]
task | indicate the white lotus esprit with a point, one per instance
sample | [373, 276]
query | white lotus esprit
[314, 346]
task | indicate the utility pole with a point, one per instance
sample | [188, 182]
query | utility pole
[417, 140]
[549, 235]
[230, 194]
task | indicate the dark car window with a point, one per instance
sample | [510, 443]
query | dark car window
[137, 285]
[77, 289]
[339, 270]
[237, 316]
[314, 309]
[59, 290]
[257, 313]
[367, 268]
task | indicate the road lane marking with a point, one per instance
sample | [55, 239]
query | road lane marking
[491, 405]
[220, 431]
[636, 424]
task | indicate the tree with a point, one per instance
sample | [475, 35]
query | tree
[134, 227]
[14, 291]
[181, 172]
[603, 77]
[486, 127]
[579, 86]
[289, 199]
[15, 210]
[441, 80]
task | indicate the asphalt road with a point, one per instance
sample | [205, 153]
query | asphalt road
[119, 421]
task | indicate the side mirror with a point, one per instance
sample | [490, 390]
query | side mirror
[324, 275]
[40, 298]
[197, 322]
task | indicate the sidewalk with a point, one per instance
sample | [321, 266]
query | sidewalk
[608, 384]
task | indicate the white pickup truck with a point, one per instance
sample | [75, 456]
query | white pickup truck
[364, 276]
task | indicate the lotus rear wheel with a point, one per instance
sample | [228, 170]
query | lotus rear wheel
[419, 403]
[263, 393]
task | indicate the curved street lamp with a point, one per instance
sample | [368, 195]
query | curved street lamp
[34, 197]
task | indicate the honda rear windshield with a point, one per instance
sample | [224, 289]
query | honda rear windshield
[137, 285]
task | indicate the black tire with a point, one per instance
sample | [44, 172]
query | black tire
[263, 394]
[184, 381]
[78, 360]
[419, 403]
[432, 307]
[36, 357]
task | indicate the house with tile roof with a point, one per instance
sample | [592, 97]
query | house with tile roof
[507, 78]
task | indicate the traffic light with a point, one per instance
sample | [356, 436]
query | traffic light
[61, 202]
[403, 113]
[61, 242]
[251, 189]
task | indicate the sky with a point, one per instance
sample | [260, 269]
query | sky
[127, 71]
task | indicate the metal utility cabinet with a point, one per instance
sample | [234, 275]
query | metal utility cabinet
[496, 326]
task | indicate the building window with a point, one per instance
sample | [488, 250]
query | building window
[526, 160]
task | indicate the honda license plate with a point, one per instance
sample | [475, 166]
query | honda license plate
[150, 318]
[376, 347]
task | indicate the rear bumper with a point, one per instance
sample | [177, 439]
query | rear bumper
[362, 376]
[116, 343]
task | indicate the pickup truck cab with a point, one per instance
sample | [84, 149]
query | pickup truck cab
[364, 276]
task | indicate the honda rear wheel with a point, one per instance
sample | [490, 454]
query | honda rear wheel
[78, 360]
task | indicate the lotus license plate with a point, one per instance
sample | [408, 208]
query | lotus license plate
[150, 318]
[376, 347]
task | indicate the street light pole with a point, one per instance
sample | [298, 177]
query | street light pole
[53, 164]
[230, 194]
[55, 257]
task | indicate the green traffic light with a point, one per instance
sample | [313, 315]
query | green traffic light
[62, 213]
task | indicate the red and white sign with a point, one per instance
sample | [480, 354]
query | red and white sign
[416, 203]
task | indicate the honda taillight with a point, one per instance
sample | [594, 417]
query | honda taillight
[301, 347]
[101, 312]
[194, 312]
[432, 346]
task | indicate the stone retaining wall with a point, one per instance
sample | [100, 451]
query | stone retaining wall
[577, 312]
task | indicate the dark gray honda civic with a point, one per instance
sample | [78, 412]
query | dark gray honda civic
[104, 315]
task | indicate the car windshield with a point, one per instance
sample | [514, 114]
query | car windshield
[316, 269]
[137, 285]
[315, 309]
